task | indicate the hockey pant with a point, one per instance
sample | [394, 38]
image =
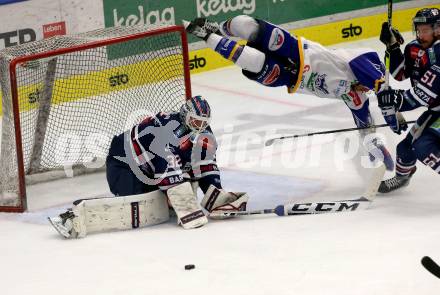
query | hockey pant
[421, 143]
[120, 178]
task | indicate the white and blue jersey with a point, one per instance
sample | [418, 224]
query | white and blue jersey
[305, 66]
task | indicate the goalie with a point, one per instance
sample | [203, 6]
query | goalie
[155, 165]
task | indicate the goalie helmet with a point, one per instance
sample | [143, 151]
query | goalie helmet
[196, 113]
[426, 16]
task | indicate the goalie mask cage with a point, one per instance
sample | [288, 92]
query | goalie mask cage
[64, 98]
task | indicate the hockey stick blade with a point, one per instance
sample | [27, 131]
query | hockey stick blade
[374, 182]
[431, 266]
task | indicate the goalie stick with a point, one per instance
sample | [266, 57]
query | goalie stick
[361, 203]
[431, 266]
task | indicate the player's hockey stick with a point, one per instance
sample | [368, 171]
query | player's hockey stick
[272, 140]
[431, 266]
[387, 53]
[361, 203]
[400, 117]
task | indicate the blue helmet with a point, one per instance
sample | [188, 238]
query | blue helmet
[429, 16]
[196, 113]
[426, 16]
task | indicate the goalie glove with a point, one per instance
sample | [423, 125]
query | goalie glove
[390, 36]
[218, 201]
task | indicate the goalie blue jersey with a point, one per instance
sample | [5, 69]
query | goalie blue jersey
[166, 152]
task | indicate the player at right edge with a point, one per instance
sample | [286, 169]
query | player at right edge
[420, 62]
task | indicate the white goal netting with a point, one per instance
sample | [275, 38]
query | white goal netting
[72, 94]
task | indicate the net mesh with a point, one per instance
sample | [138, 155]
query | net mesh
[72, 104]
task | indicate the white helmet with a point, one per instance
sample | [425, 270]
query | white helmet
[196, 113]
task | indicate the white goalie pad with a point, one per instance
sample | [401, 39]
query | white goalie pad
[113, 213]
[184, 202]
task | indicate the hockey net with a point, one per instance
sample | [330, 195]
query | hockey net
[64, 98]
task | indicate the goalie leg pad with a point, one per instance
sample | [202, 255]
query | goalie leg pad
[113, 213]
[217, 201]
[184, 202]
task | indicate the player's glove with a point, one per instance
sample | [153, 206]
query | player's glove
[201, 28]
[395, 120]
[390, 101]
[388, 97]
[390, 36]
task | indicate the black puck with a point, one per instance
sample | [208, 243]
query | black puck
[189, 266]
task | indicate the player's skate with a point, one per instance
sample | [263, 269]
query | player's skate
[373, 144]
[64, 224]
[201, 27]
[396, 182]
[382, 153]
[376, 149]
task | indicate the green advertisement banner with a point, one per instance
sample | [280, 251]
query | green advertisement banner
[171, 12]
[154, 12]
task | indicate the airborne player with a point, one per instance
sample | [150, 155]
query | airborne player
[273, 58]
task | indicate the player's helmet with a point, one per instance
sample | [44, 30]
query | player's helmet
[196, 113]
[429, 16]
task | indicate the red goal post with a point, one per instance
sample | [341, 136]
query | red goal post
[65, 94]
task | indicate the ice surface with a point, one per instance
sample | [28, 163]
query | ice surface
[377, 251]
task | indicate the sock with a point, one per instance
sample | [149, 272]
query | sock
[242, 26]
[245, 57]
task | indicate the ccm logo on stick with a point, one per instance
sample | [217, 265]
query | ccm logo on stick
[322, 207]
[351, 31]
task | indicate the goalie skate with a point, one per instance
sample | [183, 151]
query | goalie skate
[64, 224]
